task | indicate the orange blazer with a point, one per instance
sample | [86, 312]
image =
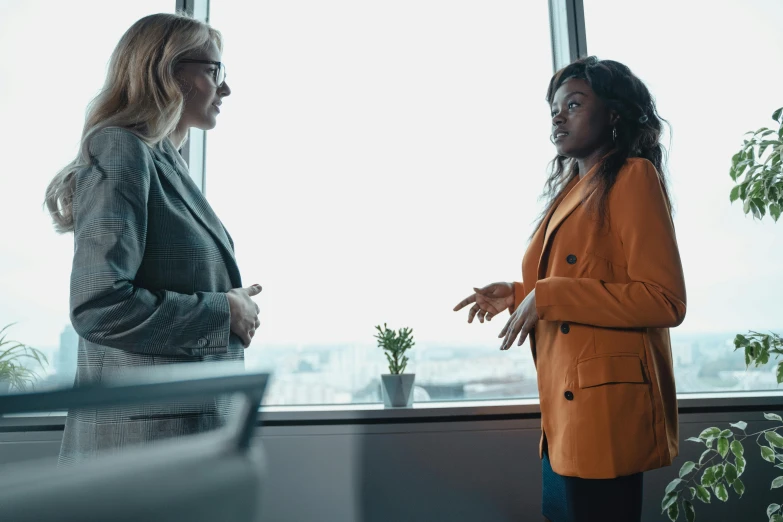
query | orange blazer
[606, 298]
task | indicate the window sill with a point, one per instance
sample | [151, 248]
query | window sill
[453, 411]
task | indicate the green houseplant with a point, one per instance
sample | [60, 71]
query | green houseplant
[757, 170]
[396, 387]
[13, 372]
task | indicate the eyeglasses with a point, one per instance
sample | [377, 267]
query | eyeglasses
[220, 72]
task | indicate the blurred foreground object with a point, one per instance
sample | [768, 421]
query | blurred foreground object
[199, 478]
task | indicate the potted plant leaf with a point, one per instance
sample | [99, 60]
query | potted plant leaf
[13, 373]
[396, 387]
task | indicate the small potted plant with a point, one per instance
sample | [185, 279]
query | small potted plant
[12, 371]
[397, 389]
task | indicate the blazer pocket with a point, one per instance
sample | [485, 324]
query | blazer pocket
[599, 267]
[610, 257]
[610, 369]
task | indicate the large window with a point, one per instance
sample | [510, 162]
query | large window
[714, 68]
[375, 161]
[54, 57]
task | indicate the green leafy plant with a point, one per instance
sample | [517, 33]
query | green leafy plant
[758, 348]
[720, 467]
[395, 344]
[757, 170]
[12, 355]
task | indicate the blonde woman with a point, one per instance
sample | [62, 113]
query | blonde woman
[154, 278]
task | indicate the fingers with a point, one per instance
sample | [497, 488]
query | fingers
[505, 328]
[257, 308]
[482, 306]
[251, 332]
[253, 290]
[511, 335]
[511, 330]
[249, 335]
[245, 336]
[519, 329]
[486, 305]
[473, 311]
[465, 302]
[504, 344]
[523, 334]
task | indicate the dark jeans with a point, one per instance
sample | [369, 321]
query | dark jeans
[572, 499]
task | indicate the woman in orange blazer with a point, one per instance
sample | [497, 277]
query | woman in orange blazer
[602, 283]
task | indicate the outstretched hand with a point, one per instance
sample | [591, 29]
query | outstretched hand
[488, 301]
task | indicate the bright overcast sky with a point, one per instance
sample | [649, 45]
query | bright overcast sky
[378, 159]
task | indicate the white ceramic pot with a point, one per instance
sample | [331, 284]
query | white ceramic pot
[397, 390]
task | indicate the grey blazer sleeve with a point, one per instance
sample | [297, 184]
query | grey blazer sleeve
[110, 230]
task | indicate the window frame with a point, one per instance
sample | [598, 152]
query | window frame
[569, 43]
[195, 149]
[568, 40]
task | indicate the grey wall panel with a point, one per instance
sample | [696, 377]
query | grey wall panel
[463, 471]
[482, 476]
[313, 477]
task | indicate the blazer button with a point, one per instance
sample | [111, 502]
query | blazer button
[571, 260]
[569, 396]
[565, 328]
[203, 341]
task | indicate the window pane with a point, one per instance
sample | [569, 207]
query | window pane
[375, 161]
[54, 57]
[714, 68]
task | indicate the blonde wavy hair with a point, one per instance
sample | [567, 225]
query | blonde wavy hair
[141, 94]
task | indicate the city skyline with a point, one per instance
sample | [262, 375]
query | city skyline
[349, 373]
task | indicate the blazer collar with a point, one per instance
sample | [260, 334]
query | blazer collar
[575, 193]
[174, 168]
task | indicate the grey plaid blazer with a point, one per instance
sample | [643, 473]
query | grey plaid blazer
[151, 266]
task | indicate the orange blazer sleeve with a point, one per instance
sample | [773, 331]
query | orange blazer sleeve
[655, 295]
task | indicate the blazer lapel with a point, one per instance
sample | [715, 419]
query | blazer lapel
[576, 191]
[563, 209]
[176, 173]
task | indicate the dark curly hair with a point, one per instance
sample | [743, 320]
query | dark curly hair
[639, 130]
